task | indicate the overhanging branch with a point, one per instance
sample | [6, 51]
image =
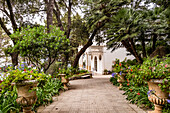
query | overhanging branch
[14, 25]
[4, 27]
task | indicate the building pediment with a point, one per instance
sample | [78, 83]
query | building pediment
[96, 49]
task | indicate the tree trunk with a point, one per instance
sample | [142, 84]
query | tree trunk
[69, 19]
[138, 58]
[49, 14]
[57, 15]
[127, 46]
[154, 42]
[68, 32]
[76, 60]
[143, 45]
[88, 44]
[14, 57]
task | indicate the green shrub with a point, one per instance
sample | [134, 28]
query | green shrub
[45, 90]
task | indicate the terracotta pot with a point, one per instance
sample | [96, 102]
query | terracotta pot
[64, 81]
[160, 97]
[26, 98]
[120, 79]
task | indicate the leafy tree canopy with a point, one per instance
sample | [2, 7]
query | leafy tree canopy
[39, 46]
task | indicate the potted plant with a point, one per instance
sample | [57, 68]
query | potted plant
[25, 81]
[65, 74]
[119, 69]
[156, 72]
[105, 71]
[64, 80]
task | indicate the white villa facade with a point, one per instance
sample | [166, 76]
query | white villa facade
[98, 58]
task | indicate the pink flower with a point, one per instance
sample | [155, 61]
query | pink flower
[31, 71]
[166, 65]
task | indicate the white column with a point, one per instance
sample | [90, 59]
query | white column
[87, 61]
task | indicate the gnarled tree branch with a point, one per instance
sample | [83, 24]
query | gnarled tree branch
[58, 14]
[14, 25]
[4, 27]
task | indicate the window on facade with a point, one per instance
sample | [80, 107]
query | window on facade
[100, 57]
[95, 63]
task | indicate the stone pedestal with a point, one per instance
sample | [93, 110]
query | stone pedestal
[26, 95]
[159, 97]
[120, 79]
[64, 81]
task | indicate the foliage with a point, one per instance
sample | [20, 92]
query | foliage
[82, 71]
[137, 95]
[39, 47]
[54, 68]
[136, 87]
[16, 76]
[68, 72]
[45, 92]
[156, 68]
[105, 70]
[114, 81]
[4, 43]
[134, 75]
[138, 28]
[120, 66]
[8, 101]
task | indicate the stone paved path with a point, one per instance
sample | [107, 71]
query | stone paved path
[96, 95]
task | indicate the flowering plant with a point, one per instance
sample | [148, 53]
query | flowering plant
[155, 68]
[67, 71]
[120, 67]
[20, 75]
[134, 75]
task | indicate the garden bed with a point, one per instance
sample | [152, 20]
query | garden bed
[45, 92]
[136, 83]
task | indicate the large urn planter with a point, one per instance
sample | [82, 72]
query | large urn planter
[64, 81]
[159, 98]
[120, 79]
[26, 96]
